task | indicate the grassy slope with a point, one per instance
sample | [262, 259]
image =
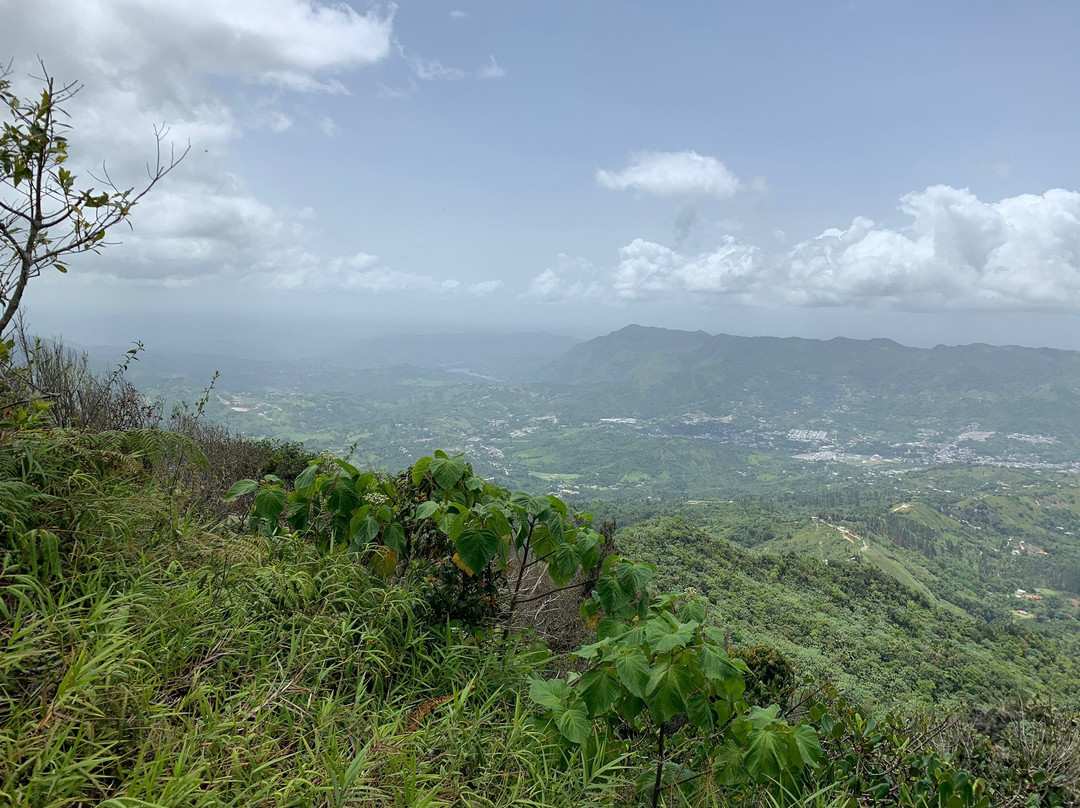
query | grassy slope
[163, 664]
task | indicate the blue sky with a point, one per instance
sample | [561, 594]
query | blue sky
[900, 169]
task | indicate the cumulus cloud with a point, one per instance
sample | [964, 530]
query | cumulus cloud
[647, 269]
[291, 43]
[143, 62]
[684, 175]
[458, 14]
[1022, 253]
[958, 252]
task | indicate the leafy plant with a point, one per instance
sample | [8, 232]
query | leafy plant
[659, 677]
[467, 541]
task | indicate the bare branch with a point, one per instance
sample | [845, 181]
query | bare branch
[55, 218]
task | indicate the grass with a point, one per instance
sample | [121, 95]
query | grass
[171, 665]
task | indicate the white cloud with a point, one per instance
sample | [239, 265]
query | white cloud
[277, 121]
[458, 14]
[1022, 253]
[431, 69]
[391, 93]
[144, 62]
[364, 272]
[958, 253]
[296, 44]
[648, 269]
[491, 70]
[685, 175]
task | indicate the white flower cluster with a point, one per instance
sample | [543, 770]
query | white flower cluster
[375, 499]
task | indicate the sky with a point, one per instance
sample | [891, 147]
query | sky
[864, 169]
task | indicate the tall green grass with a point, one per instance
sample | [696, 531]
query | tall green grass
[159, 663]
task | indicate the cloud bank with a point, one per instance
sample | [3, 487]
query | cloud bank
[958, 253]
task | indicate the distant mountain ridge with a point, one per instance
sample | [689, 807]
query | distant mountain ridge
[659, 371]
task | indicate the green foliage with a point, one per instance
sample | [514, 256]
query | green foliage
[173, 667]
[882, 643]
[891, 759]
[437, 523]
[660, 676]
[148, 661]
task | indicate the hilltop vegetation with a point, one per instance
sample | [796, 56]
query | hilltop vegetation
[152, 661]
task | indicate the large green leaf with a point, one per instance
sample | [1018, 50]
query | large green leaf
[728, 766]
[682, 635]
[633, 670]
[634, 577]
[349, 468]
[393, 536]
[563, 565]
[761, 717]
[425, 510]
[766, 753]
[269, 504]
[599, 690]
[534, 506]
[804, 745]
[700, 712]
[716, 665]
[554, 524]
[662, 693]
[476, 548]
[573, 724]
[692, 611]
[419, 469]
[241, 488]
[447, 470]
[306, 478]
[364, 528]
[550, 693]
[612, 596]
[609, 627]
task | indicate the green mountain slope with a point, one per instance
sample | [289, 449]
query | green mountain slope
[842, 381]
[877, 639]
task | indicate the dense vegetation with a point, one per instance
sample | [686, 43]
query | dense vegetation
[365, 638]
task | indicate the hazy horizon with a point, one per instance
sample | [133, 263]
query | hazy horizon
[199, 333]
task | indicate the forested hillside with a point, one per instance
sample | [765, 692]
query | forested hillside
[843, 384]
[881, 642]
